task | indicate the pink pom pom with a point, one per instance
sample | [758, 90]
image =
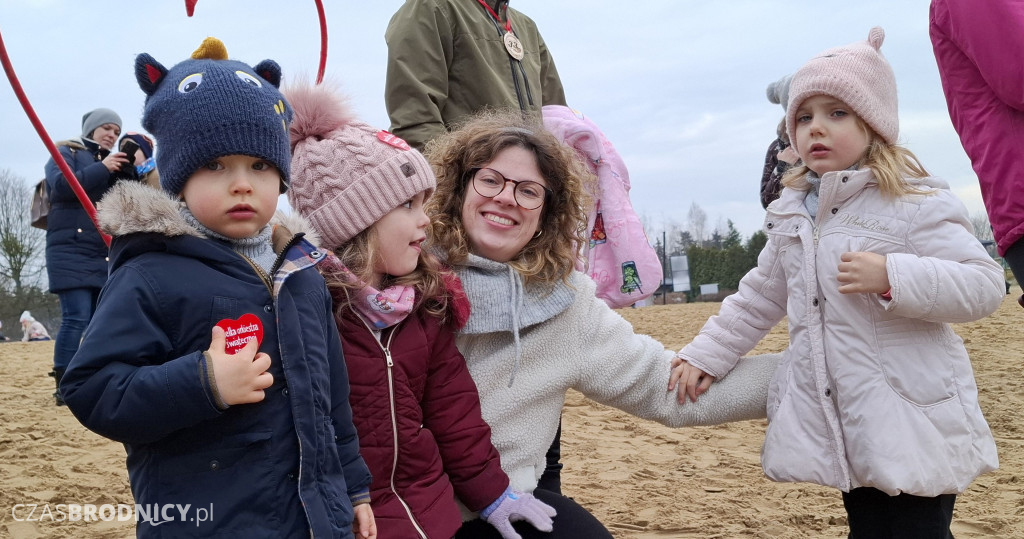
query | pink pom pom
[317, 111]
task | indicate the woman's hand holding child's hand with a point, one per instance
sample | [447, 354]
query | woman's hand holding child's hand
[242, 377]
[863, 273]
[693, 382]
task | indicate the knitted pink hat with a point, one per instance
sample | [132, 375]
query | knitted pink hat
[345, 174]
[858, 75]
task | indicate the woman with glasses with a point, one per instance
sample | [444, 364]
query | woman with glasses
[509, 216]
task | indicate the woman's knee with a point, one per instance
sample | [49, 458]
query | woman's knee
[573, 520]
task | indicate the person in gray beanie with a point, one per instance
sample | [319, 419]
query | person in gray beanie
[97, 118]
[76, 255]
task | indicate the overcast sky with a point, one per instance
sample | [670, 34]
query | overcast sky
[677, 86]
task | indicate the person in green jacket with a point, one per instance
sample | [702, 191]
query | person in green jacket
[448, 59]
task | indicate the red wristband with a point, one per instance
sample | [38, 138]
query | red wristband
[887, 294]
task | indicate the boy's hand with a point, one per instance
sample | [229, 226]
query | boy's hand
[863, 273]
[693, 382]
[365, 526]
[242, 377]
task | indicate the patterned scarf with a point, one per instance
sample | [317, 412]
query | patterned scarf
[381, 308]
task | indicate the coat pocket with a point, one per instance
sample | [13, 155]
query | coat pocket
[331, 479]
[233, 477]
[918, 359]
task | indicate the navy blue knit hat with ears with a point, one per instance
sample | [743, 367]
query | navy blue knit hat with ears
[208, 107]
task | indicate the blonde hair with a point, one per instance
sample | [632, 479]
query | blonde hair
[359, 256]
[890, 163]
[545, 258]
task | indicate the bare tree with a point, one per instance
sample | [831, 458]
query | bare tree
[698, 221]
[22, 247]
[982, 228]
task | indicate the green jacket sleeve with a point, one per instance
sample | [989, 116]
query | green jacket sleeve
[551, 85]
[420, 42]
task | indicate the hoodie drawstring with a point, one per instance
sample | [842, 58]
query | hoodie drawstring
[517, 298]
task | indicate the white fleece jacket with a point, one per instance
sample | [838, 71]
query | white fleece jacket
[570, 339]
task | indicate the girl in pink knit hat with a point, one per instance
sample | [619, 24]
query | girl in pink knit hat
[414, 402]
[871, 259]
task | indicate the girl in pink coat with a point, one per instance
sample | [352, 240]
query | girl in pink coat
[871, 259]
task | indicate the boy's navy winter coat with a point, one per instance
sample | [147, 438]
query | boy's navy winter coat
[284, 467]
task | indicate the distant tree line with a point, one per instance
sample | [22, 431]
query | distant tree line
[723, 257]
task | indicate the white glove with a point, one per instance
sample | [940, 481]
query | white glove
[513, 506]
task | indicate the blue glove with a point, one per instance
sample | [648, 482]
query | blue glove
[513, 506]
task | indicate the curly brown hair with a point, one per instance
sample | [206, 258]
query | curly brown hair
[475, 143]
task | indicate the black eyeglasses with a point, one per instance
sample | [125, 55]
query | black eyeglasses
[488, 183]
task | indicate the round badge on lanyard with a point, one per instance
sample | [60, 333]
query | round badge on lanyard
[513, 46]
[512, 43]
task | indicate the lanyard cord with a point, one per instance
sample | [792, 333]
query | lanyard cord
[508, 20]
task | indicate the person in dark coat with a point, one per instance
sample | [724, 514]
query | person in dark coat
[780, 155]
[76, 255]
[415, 404]
[213, 355]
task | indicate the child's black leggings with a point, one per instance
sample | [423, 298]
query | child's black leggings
[873, 514]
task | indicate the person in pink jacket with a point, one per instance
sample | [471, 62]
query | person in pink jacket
[871, 259]
[974, 43]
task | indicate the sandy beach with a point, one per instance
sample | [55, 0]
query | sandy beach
[641, 479]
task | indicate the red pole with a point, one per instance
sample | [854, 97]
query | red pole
[69, 175]
[190, 7]
[323, 41]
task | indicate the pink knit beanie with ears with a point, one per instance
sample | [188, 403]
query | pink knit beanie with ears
[858, 75]
[345, 174]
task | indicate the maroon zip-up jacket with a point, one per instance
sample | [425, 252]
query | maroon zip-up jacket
[419, 423]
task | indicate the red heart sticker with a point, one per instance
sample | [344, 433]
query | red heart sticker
[238, 333]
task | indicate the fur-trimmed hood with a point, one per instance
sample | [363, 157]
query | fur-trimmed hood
[141, 218]
[133, 207]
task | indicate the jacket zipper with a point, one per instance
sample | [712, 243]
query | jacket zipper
[270, 288]
[394, 423]
[262, 275]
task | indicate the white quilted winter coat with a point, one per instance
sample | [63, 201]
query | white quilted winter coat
[870, 392]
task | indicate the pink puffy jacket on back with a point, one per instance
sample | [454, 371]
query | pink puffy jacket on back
[975, 46]
[618, 256]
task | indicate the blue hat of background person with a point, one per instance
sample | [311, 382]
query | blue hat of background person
[208, 107]
[95, 118]
[144, 142]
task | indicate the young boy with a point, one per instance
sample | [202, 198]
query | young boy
[213, 354]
